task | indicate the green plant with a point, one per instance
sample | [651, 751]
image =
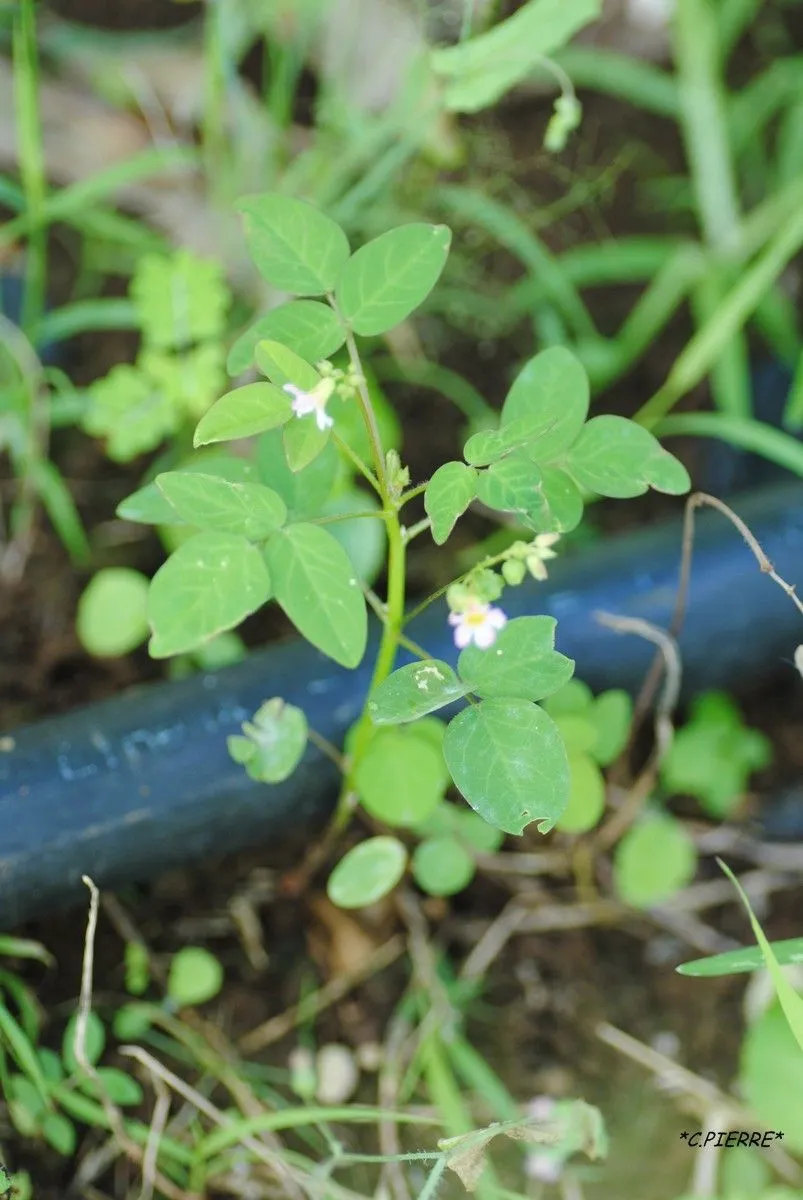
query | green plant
[247, 547]
[713, 755]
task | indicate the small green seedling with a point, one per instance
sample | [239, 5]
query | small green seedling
[265, 537]
[714, 754]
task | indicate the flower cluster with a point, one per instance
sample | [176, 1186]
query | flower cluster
[332, 382]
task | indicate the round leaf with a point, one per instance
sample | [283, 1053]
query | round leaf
[442, 867]
[552, 386]
[612, 714]
[195, 976]
[557, 506]
[209, 502]
[295, 247]
[244, 412]
[586, 796]
[508, 760]
[401, 777]
[312, 329]
[95, 1041]
[367, 873]
[317, 587]
[618, 458]
[119, 1087]
[448, 494]
[510, 485]
[275, 740]
[654, 859]
[413, 691]
[112, 616]
[211, 583]
[387, 279]
[522, 663]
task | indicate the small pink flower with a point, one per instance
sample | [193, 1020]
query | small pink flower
[477, 623]
[314, 401]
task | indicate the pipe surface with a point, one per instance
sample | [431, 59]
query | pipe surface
[143, 782]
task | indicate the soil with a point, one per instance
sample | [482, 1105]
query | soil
[545, 994]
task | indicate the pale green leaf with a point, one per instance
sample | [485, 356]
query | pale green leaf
[477, 72]
[274, 742]
[401, 777]
[788, 952]
[295, 247]
[553, 388]
[442, 866]
[586, 796]
[413, 691]
[655, 859]
[489, 445]
[521, 664]
[312, 329]
[510, 485]
[195, 976]
[281, 365]
[612, 715]
[448, 494]
[211, 583]
[304, 492]
[367, 873]
[558, 503]
[179, 299]
[364, 538]
[771, 1076]
[317, 587]
[618, 458]
[209, 502]
[389, 277]
[112, 617]
[303, 441]
[508, 760]
[243, 412]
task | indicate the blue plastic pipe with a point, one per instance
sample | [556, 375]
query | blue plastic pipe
[129, 787]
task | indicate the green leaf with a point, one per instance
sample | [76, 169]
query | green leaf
[94, 1043]
[401, 777]
[209, 502]
[413, 691]
[119, 1087]
[477, 834]
[511, 485]
[478, 71]
[448, 494]
[389, 277]
[312, 329]
[552, 387]
[304, 492]
[281, 365]
[211, 583]
[771, 1076]
[131, 412]
[522, 664]
[190, 380]
[655, 859]
[22, 1051]
[303, 441]
[575, 699]
[149, 507]
[295, 247]
[508, 760]
[317, 587]
[367, 873]
[364, 539]
[788, 952]
[112, 617]
[714, 754]
[243, 412]
[558, 503]
[612, 715]
[618, 458]
[59, 1133]
[586, 796]
[274, 743]
[489, 445]
[195, 977]
[179, 299]
[442, 866]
